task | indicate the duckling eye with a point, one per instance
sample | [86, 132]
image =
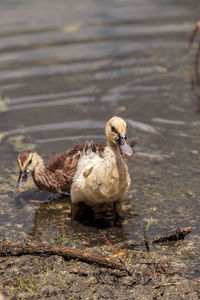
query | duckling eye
[113, 129]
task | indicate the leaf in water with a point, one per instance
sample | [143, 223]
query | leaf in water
[71, 28]
[4, 104]
[19, 145]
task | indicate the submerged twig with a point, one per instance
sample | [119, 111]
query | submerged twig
[193, 34]
[191, 40]
[17, 249]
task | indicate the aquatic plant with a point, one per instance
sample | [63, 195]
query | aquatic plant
[4, 104]
[18, 143]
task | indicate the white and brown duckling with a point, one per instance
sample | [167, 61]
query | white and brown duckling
[55, 176]
[103, 179]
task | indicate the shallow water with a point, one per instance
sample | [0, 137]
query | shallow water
[66, 68]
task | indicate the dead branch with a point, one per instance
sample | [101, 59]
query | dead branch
[165, 284]
[174, 235]
[17, 249]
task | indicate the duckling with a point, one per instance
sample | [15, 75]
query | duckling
[103, 179]
[55, 176]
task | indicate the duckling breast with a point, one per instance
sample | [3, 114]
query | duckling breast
[81, 187]
[96, 181]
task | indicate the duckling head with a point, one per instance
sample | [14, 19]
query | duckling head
[27, 163]
[115, 131]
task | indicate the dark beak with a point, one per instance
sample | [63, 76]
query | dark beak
[23, 176]
[124, 147]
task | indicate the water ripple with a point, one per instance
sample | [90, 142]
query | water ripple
[153, 155]
[142, 126]
[57, 102]
[34, 98]
[51, 70]
[71, 138]
[166, 121]
[83, 124]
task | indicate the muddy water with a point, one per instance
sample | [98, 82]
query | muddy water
[66, 68]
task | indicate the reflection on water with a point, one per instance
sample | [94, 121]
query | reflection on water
[66, 72]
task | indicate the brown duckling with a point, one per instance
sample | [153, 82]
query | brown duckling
[55, 176]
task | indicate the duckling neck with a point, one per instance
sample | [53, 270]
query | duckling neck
[48, 180]
[39, 171]
[115, 149]
[40, 166]
[119, 168]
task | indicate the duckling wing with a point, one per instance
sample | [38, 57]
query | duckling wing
[87, 171]
[66, 160]
[69, 159]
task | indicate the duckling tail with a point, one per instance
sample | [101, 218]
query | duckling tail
[89, 147]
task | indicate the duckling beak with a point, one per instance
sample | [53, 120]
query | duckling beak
[124, 147]
[23, 176]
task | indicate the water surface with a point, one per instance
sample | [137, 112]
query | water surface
[66, 68]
